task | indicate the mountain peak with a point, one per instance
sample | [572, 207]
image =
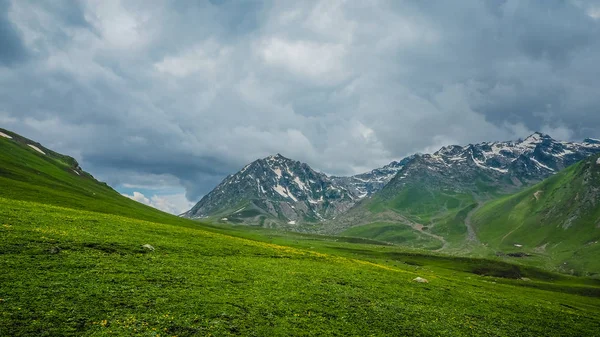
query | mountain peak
[537, 136]
[534, 139]
[275, 189]
[277, 157]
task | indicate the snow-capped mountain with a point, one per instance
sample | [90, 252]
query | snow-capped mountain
[275, 188]
[503, 164]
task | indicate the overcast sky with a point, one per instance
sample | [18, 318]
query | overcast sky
[167, 98]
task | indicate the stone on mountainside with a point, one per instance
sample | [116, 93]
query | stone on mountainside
[420, 280]
[148, 247]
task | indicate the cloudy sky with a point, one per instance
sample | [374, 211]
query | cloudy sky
[163, 99]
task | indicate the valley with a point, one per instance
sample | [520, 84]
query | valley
[428, 201]
[80, 259]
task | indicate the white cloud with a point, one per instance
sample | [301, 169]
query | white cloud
[170, 203]
[322, 63]
[203, 58]
[6, 119]
[120, 27]
[558, 132]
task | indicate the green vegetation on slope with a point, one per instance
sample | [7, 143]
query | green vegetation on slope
[452, 227]
[72, 263]
[396, 233]
[51, 178]
[558, 218]
[421, 203]
[438, 212]
[71, 272]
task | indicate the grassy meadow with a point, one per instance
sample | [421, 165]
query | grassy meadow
[73, 272]
[73, 264]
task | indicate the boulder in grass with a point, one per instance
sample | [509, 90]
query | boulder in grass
[420, 280]
[148, 247]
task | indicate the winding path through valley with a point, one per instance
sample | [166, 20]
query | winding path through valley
[471, 236]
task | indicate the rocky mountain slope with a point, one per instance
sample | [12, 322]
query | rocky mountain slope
[500, 164]
[276, 190]
[280, 190]
[365, 184]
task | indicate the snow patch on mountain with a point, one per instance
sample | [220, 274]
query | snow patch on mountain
[36, 148]
[299, 183]
[540, 164]
[531, 141]
[284, 192]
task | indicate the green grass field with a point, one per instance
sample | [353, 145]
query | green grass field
[84, 273]
[73, 265]
[396, 233]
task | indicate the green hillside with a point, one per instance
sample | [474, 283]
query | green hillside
[422, 203]
[418, 215]
[73, 264]
[558, 218]
[394, 233]
[58, 180]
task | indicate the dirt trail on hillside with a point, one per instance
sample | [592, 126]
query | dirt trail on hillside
[509, 233]
[393, 217]
[471, 236]
[419, 227]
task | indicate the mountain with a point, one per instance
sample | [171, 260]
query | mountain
[435, 194]
[500, 164]
[279, 190]
[275, 190]
[559, 218]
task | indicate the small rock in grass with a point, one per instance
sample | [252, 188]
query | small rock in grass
[54, 250]
[525, 279]
[420, 280]
[148, 247]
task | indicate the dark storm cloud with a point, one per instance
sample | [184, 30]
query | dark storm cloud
[184, 93]
[12, 49]
[69, 13]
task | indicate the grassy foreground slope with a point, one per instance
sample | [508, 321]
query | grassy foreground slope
[72, 263]
[558, 218]
[72, 272]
